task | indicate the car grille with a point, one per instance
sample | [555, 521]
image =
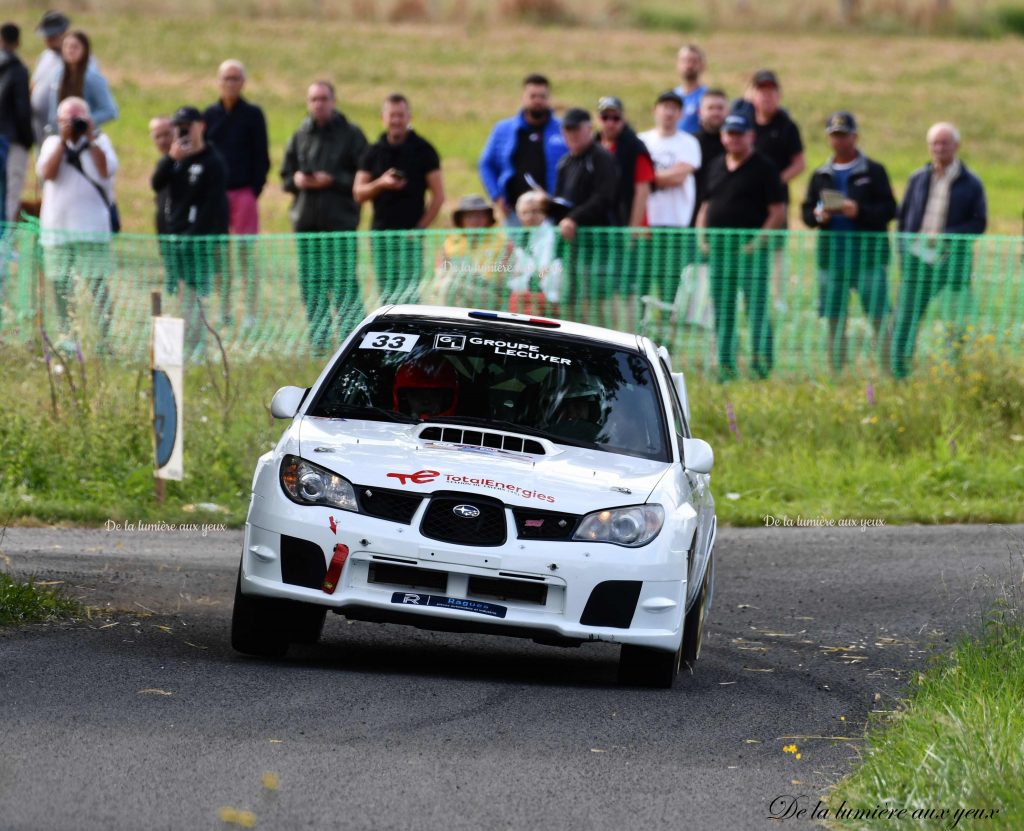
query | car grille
[408, 576]
[386, 504]
[521, 591]
[482, 438]
[532, 524]
[442, 522]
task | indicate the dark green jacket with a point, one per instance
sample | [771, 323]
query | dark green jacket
[335, 148]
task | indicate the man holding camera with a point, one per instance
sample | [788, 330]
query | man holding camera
[196, 209]
[77, 169]
[395, 174]
[319, 167]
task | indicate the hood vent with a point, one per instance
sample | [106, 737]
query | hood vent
[506, 442]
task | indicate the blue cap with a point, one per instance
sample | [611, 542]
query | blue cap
[736, 123]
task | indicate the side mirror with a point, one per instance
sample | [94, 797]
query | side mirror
[698, 455]
[286, 402]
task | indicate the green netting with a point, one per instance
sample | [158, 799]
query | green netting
[726, 303]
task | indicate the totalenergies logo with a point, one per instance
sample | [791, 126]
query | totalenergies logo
[420, 477]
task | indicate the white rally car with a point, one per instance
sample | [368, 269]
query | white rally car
[488, 472]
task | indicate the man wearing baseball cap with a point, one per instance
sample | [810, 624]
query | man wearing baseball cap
[745, 197]
[585, 187]
[850, 193]
[636, 175]
[634, 162]
[51, 29]
[196, 206]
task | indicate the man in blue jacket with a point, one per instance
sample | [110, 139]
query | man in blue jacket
[525, 147]
[943, 197]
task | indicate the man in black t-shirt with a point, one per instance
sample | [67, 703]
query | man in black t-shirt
[713, 108]
[778, 138]
[395, 174]
[744, 198]
[777, 135]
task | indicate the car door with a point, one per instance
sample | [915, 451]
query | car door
[699, 486]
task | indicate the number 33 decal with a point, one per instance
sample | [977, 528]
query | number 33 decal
[383, 342]
[389, 341]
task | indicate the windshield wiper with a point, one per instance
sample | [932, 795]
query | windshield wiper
[369, 413]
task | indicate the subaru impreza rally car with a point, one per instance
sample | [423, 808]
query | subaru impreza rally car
[479, 471]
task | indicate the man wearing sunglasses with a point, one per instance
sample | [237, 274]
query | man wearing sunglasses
[636, 172]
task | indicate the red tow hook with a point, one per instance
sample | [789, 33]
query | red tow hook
[334, 570]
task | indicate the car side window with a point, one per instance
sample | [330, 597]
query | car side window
[678, 419]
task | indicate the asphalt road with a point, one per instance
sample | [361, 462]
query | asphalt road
[144, 718]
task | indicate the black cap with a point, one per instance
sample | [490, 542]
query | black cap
[764, 78]
[53, 23]
[736, 122]
[669, 96]
[610, 102]
[186, 115]
[575, 117]
[841, 122]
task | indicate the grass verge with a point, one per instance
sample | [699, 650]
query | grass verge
[943, 447]
[956, 745]
[32, 602]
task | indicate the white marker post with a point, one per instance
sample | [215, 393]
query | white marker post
[168, 396]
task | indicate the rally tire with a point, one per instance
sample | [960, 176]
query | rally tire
[256, 625]
[305, 622]
[693, 627]
[642, 666]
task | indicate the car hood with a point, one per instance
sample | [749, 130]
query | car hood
[385, 455]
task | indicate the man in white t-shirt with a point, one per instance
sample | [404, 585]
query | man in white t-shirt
[673, 198]
[77, 168]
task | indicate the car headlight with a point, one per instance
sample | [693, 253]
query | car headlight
[308, 484]
[632, 527]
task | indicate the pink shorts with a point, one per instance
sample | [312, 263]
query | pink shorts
[243, 213]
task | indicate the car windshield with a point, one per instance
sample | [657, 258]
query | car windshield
[570, 390]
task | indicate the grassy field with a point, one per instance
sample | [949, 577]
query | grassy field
[462, 72]
[945, 447]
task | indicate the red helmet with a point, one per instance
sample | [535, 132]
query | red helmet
[426, 387]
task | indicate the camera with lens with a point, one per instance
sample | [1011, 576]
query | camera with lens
[79, 127]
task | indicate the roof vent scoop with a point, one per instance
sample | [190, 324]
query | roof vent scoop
[492, 439]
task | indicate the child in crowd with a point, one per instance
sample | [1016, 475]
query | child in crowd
[472, 262]
[535, 277]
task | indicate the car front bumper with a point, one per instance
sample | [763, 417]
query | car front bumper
[552, 591]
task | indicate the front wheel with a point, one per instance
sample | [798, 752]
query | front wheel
[642, 666]
[693, 627]
[264, 626]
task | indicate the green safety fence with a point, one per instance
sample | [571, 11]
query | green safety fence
[725, 303]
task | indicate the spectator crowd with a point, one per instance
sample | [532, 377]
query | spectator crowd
[698, 161]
